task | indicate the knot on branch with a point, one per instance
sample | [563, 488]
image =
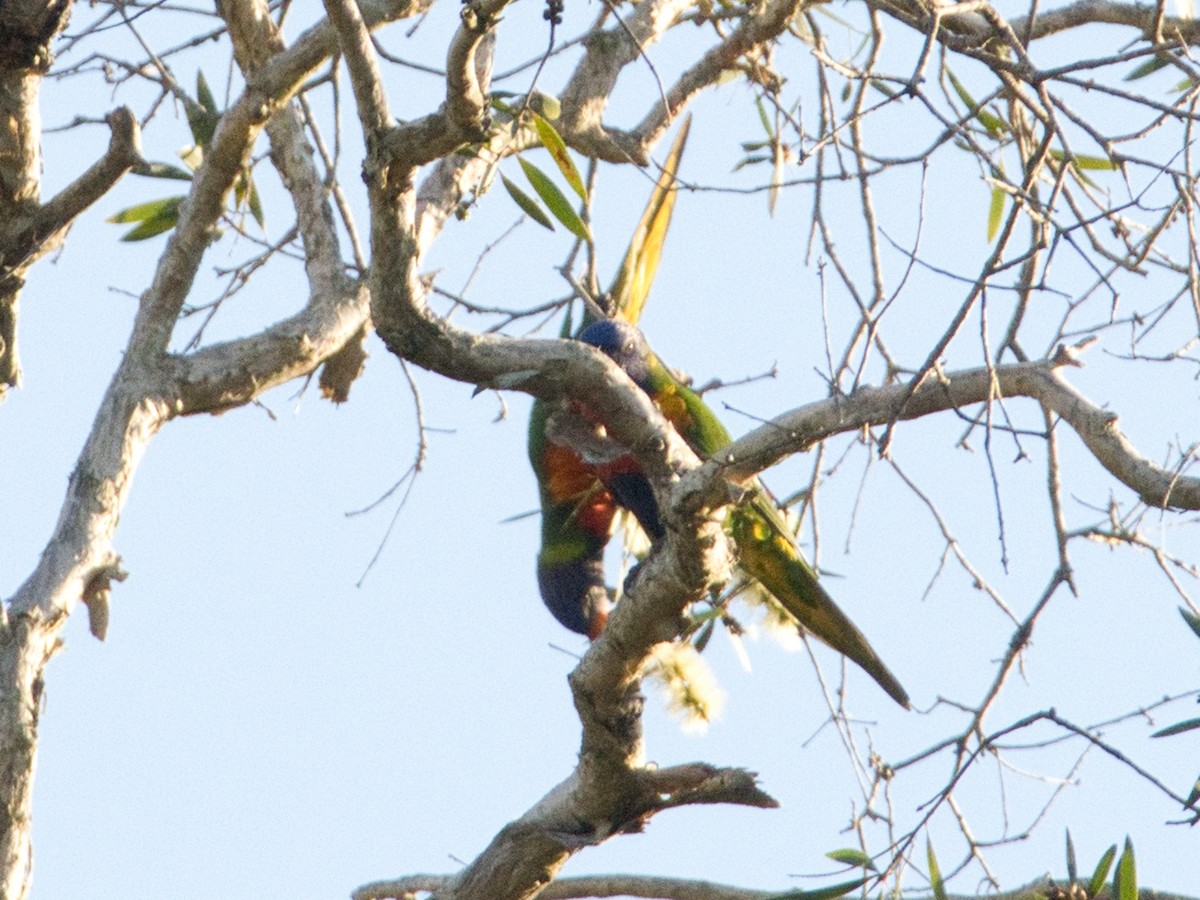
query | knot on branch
[1069, 355]
[695, 783]
[125, 138]
[95, 596]
[343, 368]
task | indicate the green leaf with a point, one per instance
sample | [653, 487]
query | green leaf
[547, 105]
[1179, 728]
[994, 124]
[1082, 161]
[935, 873]
[553, 142]
[1071, 870]
[1101, 872]
[995, 212]
[762, 117]
[830, 893]
[161, 170]
[705, 635]
[852, 857]
[150, 228]
[499, 101]
[1192, 619]
[1124, 885]
[528, 204]
[202, 122]
[751, 161]
[1149, 67]
[154, 218]
[241, 186]
[204, 95]
[963, 95]
[255, 205]
[555, 201]
[144, 211]
[1190, 803]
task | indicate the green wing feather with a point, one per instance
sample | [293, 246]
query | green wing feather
[766, 548]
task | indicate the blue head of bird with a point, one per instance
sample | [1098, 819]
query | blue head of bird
[623, 344]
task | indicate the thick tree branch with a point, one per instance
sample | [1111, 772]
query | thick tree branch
[748, 39]
[32, 231]
[123, 153]
[586, 95]
[1043, 381]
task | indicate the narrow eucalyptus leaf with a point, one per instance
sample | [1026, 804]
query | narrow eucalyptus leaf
[935, 873]
[553, 142]
[995, 213]
[1149, 67]
[528, 205]
[1101, 874]
[1192, 619]
[1125, 879]
[851, 856]
[161, 170]
[204, 94]
[555, 200]
[149, 210]
[1178, 728]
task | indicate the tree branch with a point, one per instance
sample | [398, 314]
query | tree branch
[1096, 427]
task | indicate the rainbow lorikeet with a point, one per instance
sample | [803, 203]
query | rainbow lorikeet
[577, 502]
[577, 521]
[766, 548]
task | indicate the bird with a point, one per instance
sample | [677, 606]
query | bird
[766, 547]
[577, 520]
[578, 508]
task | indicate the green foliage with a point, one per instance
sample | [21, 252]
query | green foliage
[528, 205]
[995, 212]
[935, 873]
[1124, 886]
[851, 856]
[158, 216]
[996, 126]
[830, 893]
[777, 153]
[1149, 67]
[555, 200]
[1101, 872]
[558, 150]
[551, 196]
[1193, 622]
[153, 217]
[1083, 161]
